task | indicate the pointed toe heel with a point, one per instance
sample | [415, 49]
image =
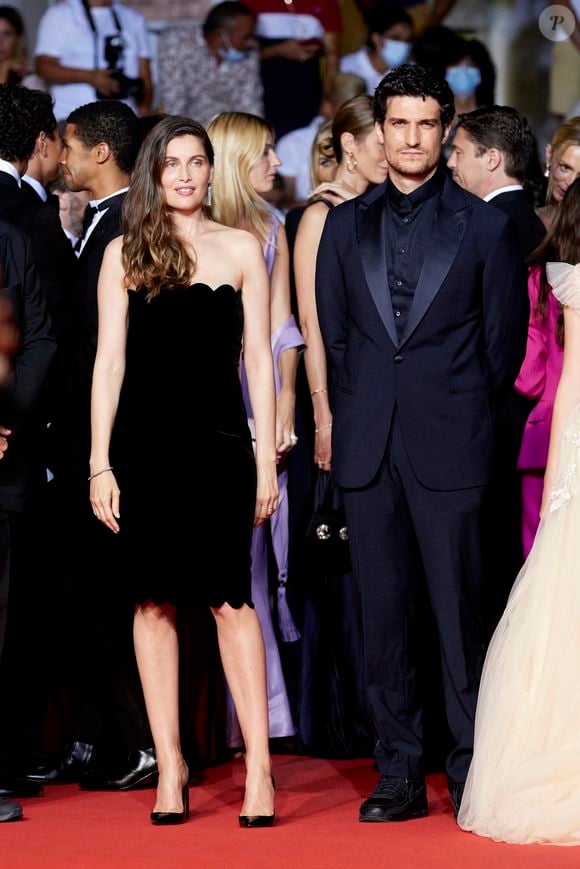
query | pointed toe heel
[257, 820]
[161, 819]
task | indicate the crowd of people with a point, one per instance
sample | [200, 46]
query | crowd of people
[374, 326]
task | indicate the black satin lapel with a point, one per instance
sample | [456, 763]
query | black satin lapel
[442, 249]
[100, 230]
[371, 241]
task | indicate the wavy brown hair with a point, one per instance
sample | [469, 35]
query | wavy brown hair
[561, 244]
[153, 255]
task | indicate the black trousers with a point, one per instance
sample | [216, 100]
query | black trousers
[404, 539]
[5, 557]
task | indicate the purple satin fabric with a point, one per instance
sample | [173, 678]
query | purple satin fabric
[279, 715]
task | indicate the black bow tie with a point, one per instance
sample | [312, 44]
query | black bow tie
[88, 217]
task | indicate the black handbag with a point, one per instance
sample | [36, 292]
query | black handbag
[327, 532]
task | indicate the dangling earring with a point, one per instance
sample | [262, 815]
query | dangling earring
[546, 170]
[351, 163]
[208, 195]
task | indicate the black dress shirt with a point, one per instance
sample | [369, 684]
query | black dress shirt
[410, 220]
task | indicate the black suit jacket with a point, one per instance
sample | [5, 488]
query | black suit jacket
[53, 254]
[21, 287]
[463, 343]
[71, 428]
[530, 229]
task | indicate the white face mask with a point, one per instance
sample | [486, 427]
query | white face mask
[395, 52]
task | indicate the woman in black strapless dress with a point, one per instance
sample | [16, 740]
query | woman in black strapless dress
[177, 294]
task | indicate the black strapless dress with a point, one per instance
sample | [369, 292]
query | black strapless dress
[182, 450]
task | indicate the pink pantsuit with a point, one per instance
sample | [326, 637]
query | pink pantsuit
[538, 378]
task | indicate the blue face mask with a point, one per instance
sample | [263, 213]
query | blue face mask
[463, 80]
[231, 54]
[395, 51]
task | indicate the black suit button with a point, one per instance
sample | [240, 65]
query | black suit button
[398, 359]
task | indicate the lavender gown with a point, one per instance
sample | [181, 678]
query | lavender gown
[279, 714]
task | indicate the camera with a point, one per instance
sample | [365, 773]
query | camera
[114, 50]
[129, 88]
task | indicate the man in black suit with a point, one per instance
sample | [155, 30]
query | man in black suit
[27, 123]
[21, 290]
[100, 143]
[25, 667]
[421, 294]
[492, 149]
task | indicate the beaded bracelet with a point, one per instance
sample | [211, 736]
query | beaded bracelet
[100, 471]
[322, 427]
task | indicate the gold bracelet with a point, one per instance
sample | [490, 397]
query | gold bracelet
[322, 427]
[321, 389]
[100, 471]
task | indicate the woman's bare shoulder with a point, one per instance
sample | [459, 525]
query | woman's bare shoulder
[115, 247]
[236, 240]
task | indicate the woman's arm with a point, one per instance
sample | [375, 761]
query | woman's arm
[280, 311]
[260, 372]
[567, 397]
[108, 376]
[305, 251]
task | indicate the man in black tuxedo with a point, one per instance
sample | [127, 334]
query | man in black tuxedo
[28, 124]
[100, 144]
[53, 251]
[25, 665]
[421, 294]
[492, 149]
[20, 289]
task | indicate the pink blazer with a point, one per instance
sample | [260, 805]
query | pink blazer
[538, 378]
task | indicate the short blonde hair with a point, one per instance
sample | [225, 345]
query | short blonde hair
[239, 140]
[321, 147]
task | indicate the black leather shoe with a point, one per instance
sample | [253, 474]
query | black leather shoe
[76, 760]
[395, 799]
[11, 786]
[456, 793]
[10, 811]
[140, 772]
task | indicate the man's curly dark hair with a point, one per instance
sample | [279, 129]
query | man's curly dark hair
[412, 80]
[42, 106]
[109, 121]
[19, 125]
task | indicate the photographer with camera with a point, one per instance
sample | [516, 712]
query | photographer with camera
[94, 49]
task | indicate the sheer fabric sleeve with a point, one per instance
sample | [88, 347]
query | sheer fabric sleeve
[565, 282]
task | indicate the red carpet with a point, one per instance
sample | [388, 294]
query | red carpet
[317, 805]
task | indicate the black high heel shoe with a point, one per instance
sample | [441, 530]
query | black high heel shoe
[165, 818]
[258, 820]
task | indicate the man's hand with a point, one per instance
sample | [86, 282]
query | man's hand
[103, 81]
